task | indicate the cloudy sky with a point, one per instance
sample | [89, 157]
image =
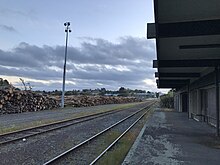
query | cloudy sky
[107, 47]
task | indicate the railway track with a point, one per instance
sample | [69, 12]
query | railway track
[68, 155]
[30, 132]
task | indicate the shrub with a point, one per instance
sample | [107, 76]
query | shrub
[167, 101]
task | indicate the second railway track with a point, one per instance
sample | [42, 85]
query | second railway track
[83, 153]
[30, 132]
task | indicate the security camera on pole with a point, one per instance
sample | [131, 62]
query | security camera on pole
[67, 30]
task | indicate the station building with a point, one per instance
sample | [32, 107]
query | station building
[187, 34]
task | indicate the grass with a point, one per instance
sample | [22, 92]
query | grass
[32, 124]
[117, 154]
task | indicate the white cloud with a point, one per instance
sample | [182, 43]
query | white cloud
[149, 82]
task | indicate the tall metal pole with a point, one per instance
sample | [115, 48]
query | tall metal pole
[67, 30]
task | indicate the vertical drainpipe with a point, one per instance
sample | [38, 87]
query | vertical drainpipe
[217, 98]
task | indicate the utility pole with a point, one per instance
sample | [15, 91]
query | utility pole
[67, 30]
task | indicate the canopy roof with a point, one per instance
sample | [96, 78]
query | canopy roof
[187, 36]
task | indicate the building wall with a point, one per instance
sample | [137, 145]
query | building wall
[202, 99]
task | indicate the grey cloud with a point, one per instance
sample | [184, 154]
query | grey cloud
[128, 50]
[39, 74]
[96, 61]
[135, 73]
[8, 28]
[24, 55]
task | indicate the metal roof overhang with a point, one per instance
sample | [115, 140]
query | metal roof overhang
[187, 40]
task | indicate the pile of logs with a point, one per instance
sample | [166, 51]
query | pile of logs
[17, 101]
[13, 100]
[85, 101]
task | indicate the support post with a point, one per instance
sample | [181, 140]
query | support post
[189, 115]
[199, 109]
[217, 98]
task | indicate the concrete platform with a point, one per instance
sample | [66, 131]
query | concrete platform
[171, 138]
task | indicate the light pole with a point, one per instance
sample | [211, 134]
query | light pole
[67, 30]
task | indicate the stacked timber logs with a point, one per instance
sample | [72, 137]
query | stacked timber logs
[85, 101]
[16, 101]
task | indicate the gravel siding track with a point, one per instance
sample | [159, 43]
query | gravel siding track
[11, 120]
[41, 148]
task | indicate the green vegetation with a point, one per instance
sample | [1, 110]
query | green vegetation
[122, 91]
[167, 100]
[117, 154]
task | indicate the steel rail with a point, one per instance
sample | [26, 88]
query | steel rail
[58, 157]
[116, 140]
[28, 134]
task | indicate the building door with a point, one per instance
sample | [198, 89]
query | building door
[208, 105]
[184, 102]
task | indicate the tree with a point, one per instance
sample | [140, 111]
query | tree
[23, 82]
[29, 86]
[103, 91]
[4, 82]
[123, 92]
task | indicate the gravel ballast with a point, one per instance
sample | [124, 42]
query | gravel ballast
[41, 148]
[29, 119]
